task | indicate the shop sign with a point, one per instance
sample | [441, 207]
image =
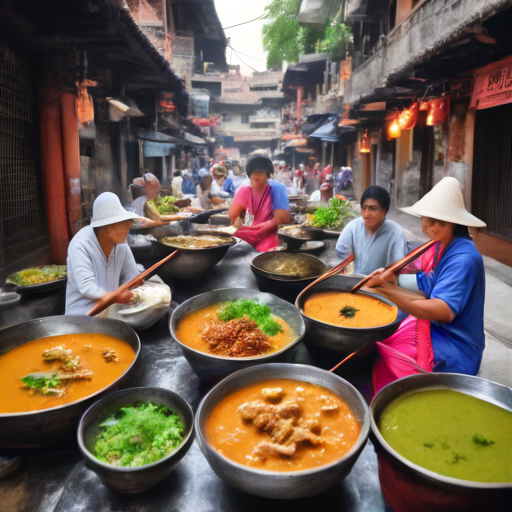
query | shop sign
[493, 85]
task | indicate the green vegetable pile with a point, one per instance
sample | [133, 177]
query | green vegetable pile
[31, 276]
[165, 205]
[138, 434]
[334, 216]
[349, 311]
[253, 310]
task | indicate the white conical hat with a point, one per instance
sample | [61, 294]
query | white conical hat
[445, 202]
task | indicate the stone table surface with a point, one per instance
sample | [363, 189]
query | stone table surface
[57, 480]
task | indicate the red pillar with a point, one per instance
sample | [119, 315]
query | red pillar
[53, 175]
[71, 162]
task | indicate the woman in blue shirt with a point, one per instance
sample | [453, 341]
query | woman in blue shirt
[445, 301]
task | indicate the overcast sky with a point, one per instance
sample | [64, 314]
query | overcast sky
[246, 39]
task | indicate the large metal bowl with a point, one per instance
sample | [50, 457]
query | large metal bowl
[188, 263]
[407, 486]
[344, 339]
[275, 484]
[212, 367]
[137, 479]
[284, 287]
[57, 425]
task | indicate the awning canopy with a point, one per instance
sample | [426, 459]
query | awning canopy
[153, 136]
[192, 139]
[327, 132]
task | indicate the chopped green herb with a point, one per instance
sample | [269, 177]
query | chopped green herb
[481, 440]
[428, 445]
[456, 458]
[41, 381]
[253, 310]
[138, 434]
[349, 311]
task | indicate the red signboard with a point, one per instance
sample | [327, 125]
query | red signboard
[493, 85]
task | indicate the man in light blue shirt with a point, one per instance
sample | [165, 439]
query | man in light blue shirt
[99, 260]
[374, 241]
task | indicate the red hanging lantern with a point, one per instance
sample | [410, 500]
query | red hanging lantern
[394, 131]
[424, 105]
[365, 143]
[84, 104]
[408, 117]
[439, 111]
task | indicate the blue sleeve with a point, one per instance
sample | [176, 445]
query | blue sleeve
[454, 285]
[279, 197]
[344, 245]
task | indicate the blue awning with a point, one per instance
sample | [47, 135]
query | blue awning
[327, 132]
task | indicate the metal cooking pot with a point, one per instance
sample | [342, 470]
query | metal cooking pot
[407, 486]
[57, 425]
[284, 287]
[212, 367]
[282, 484]
[344, 339]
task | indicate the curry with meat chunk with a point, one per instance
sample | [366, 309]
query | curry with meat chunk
[282, 425]
[59, 370]
[349, 309]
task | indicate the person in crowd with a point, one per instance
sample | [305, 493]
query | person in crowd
[239, 177]
[265, 204]
[325, 173]
[222, 185]
[207, 200]
[151, 186]
[343, 179]
[188, 186]
[445, 299]
[326, 189]
[177, 185]
[312, 180]
[99, 260]
[374, 241]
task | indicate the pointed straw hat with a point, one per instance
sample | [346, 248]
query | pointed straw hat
[445, 202]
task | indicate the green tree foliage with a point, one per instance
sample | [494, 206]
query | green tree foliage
[284, 39]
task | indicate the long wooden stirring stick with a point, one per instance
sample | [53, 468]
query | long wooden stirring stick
[395, 267]
[103, 304]
[333, 271]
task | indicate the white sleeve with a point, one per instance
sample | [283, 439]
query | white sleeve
[129, 270]
[344, 245]
[81, 267]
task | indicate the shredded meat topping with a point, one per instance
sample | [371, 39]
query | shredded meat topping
[237, 338]
[285, 425]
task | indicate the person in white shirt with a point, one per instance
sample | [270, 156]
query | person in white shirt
[177, 184]
[99, 260]
[151, 186]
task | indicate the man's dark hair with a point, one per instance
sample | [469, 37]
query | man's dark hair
[379, 194]
[259, 163]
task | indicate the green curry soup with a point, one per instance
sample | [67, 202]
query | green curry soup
[451, 433]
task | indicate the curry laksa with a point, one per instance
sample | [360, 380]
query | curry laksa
[349, 309]
[282, 425]
[59, 370]
[238, 328]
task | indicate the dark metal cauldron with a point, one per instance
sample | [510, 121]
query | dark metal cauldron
[407, 486]
[57, 425]
[284, 287]
[343, 339]
[188, 263]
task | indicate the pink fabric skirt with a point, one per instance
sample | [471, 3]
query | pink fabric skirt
[406, 352]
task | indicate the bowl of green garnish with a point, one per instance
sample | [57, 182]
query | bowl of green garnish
[134, 438]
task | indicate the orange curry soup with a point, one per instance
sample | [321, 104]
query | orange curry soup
[371, 312]
[303, 427]
[27, 358]
[190, 328]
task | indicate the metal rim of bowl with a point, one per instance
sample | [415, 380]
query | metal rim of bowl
[362, 438]
[420, 469]
[374, 328]
[123, 469]
[231, 358]
[229, 243]
[264, 272]
[62, 406]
